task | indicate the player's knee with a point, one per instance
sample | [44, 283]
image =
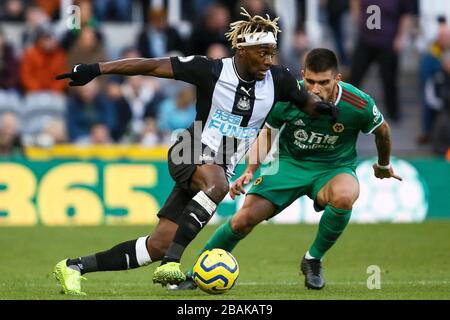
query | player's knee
[217, 190]
[223, 188]
[343, 200]
[241, 226]
[244, 223]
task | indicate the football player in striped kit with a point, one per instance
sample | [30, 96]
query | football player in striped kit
[234, 98]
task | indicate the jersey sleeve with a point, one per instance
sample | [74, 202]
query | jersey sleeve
[373, 117]
[278, 116]
[197, 70]
[287, 88]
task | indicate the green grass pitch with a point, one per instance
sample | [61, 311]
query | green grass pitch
[414, 260]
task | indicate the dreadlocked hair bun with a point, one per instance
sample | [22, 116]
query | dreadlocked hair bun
[252, 25]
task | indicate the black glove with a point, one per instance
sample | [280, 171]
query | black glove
[327, 108]
[81, 74]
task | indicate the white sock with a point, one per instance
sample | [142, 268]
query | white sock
[308, 256]
[142, 255]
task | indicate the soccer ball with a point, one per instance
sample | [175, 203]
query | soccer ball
[215, 271]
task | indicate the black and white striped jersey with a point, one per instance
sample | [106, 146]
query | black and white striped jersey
[230, 110]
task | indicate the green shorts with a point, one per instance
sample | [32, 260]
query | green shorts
[295, 179]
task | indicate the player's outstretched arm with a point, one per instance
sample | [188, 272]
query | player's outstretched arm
[84, 73]
[258, 152]
[383, 169]
[157, 67]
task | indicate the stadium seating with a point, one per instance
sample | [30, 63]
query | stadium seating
[10, 102]
[40, 108]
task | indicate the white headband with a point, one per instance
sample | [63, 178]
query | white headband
[253, 39]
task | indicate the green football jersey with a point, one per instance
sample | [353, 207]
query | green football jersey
[315, 139]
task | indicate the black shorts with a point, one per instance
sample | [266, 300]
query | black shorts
[181, 173]
[175, 204]
[181, 193]
[181, 170]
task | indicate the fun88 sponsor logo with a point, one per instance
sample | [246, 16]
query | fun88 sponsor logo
[228, 124]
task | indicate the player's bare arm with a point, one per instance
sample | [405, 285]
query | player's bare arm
[157, 67]
[258, 152]
[82, 74]
[383, 169]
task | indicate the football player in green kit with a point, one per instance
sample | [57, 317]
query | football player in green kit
[317, 158]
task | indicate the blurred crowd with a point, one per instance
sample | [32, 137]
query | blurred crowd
[36, 109]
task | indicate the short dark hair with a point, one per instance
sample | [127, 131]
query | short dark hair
[320, 60]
